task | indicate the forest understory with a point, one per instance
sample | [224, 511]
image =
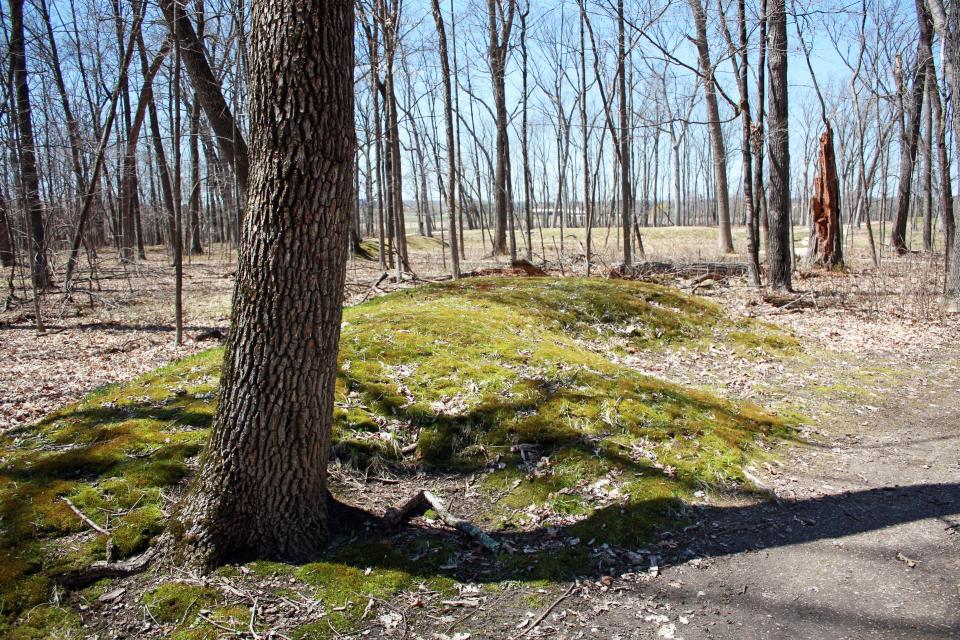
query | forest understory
[654, 459]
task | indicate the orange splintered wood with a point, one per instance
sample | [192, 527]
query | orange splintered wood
[825, 205]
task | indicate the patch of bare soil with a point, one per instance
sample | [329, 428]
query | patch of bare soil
[861, 540]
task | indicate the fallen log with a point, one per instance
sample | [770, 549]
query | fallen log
[418, 503]
[518, 268]
[679, 269]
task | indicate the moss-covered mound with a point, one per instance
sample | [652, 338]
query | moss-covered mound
[509, 375]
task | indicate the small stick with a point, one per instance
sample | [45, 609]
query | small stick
[253, 620]
[83, 516]
[217, 624]
[545, 613]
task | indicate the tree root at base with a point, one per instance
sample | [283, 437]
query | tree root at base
[80, 578]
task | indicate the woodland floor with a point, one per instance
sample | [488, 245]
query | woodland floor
[851, 531]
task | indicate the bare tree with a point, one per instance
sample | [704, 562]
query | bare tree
[500, 15]
[27, 153]
[451, 149]
[715, 126]
[946, 26]
[276, 399]
[911, 135]
[208, 90]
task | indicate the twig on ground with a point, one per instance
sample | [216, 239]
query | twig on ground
[540, 618]
[83, 516]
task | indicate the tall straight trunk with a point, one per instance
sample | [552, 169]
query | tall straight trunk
[261, 489]
[909, 143]
[396, 174]
[372, 31]
[194, 203]
[779, 255]
[715, 127]
[6, 239]
[585, 151]
[759, 190]
[928, 211]
[626, 193]
[524, 135]
[499, 34]
[29, 178]
[176, 108]
[196, 246]
[753, 217]
[128, 163]
[166, 180]
[943, 161]
[448, 116]
[947, 27]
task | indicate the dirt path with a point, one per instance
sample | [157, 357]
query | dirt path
[864, 543]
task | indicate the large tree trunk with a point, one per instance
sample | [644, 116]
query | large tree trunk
[29, 178]
[261, 488]
[716, 129]
[778, 119]
[947, 28]
[908, 145]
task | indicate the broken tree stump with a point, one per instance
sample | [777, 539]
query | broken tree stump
[826, 247]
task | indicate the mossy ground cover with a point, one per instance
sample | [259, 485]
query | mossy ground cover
[508, 376]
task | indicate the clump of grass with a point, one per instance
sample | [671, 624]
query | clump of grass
[470, 371]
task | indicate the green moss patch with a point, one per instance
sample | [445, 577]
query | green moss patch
[517, 375]
[175, 601]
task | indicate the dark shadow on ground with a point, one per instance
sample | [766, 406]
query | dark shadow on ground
[559, 553]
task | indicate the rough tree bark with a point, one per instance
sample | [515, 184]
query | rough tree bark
[29, 178]
[261, 488]
[825, 206]
[908, 145]
[778, 144]
[947, 27]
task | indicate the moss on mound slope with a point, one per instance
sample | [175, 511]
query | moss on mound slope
[469, 370]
